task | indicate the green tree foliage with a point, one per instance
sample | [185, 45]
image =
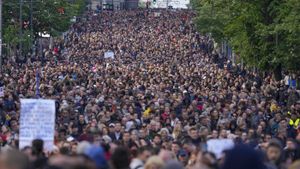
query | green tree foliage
[49, 16]
[265, 33]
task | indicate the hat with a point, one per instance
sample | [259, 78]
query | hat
[96, 154]
[107, 139]
[182, 153]
[111, 125]
[82, 147]
[164, 129]
[70, 139]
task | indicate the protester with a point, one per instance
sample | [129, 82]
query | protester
[142, 88]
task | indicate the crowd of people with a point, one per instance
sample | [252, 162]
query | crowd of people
[154, 104]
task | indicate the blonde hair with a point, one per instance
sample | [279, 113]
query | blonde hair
[177, 131]
[154, 162]
[295, 165]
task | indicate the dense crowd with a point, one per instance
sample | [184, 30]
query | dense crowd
[154, 105]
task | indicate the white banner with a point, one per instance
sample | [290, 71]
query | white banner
[37, 121]
[176, 4]
[217, 146]
[1, 91]
[109, 54]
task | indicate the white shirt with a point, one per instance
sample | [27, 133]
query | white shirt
[136, 164]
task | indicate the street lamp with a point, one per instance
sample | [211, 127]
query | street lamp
[0, 35]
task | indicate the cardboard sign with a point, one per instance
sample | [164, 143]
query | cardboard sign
[1, 91]
[217, 146]
[109, 54]
[37, 121]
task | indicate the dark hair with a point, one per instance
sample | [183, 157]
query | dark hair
[176, 142]
[243, 156]
[64, 151]
[275, 143]
[142, 149]
[193, 128]
[120, 159]
[37, 147]
[157, 135]
[126, 132]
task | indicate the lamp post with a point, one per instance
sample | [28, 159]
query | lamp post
[31, 22]
[21, 29]
[0, 35]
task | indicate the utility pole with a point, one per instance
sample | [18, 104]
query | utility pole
[0, 35]
[31, 23]
[21, 30]
[167, 4]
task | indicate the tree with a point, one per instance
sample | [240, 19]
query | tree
[265, 33]
[49, 16]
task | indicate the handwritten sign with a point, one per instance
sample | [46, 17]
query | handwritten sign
[109, 54]
[37, 121]
[217, 146]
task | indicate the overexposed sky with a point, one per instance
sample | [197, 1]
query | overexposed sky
[163, 3]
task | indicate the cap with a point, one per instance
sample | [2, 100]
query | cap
[183, 153]
[70, 139]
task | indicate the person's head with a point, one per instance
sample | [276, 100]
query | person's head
[13, 159]
[209, 159]
[267, 138]
[81, 118]
[142, 133]
[157, 139]
[105, 131]
[175, 147]
[274, 151]
[37, 147]
[14, 125]
[223, 133]
[74, 129]
[259, 129]
[214, 134]
[277, 117]
[120, 158]
[164, 132]
[144, 153]
[4, 129]
[243, 157]
[173, 164]
[112, 128]
[290, 144]
[183, 156]
[134, 135]
[295, 165]
[204, 131]
[118, 127]
[194, 133]
[126, 136]
[154, 162]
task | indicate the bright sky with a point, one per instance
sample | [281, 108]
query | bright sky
[163, 3]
